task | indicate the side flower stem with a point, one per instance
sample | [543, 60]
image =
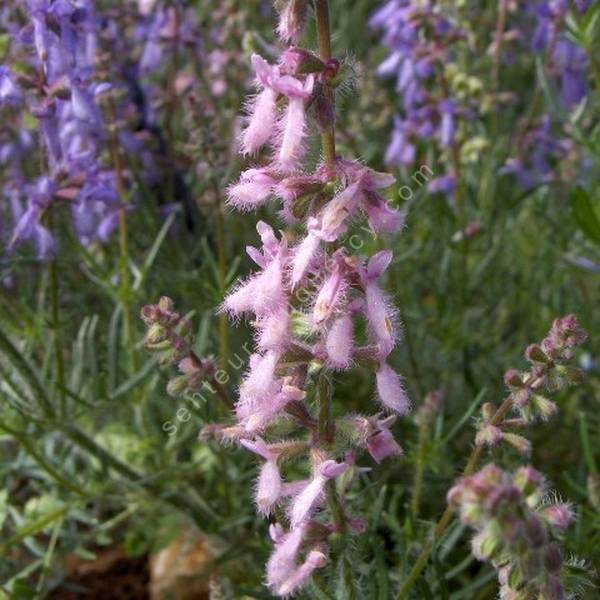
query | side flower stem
[448, 514]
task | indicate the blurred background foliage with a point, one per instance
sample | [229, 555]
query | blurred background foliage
[105, 458]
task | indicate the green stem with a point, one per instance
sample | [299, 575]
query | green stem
[324, 39]
[420, 467]
[448, 514]
[125, 282]
[55, 321]
[325, 425]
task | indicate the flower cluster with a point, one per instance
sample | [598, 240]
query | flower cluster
[60, 92]
[169, 337]
[304, 302]
[550, 371]
[516, 529]
[539, 153]
[563, 59]
[104, 86]
[420, 39]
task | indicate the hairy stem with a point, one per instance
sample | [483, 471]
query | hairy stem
[324, 39]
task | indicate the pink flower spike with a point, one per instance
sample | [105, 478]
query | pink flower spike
[390, 391]
[339, 343]
[252, 190]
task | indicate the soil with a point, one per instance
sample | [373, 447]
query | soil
[111, 576]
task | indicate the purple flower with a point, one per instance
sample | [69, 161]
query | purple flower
[10, 93]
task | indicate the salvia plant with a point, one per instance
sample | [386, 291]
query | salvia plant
[211, 214]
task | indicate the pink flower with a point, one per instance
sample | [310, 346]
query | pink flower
[380, 312]
[333, 219]
[330, 294]
[264, 292]
[282, 563]
[292, 128]
[263, 109]
[273, 330]
[559, 515]
[260, 383]
[252, 190]
[305, 254]
[304, 503]
[382, 217]
[268, 487]
[298, 579]
[339, 343]
[381, 444]
[390, 390]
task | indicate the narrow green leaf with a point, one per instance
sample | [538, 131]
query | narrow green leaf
[585, 215]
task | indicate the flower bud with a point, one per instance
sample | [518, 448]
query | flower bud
[543, 407]
[571, 374]
[156, 334]
[523, 445]
[177, 385]
[529, 481]
[489, 436]
[512, 378]
[323, 111]
[299, 61]
[559, 515]
[553, 558]
[535, 532]
[534, 353]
